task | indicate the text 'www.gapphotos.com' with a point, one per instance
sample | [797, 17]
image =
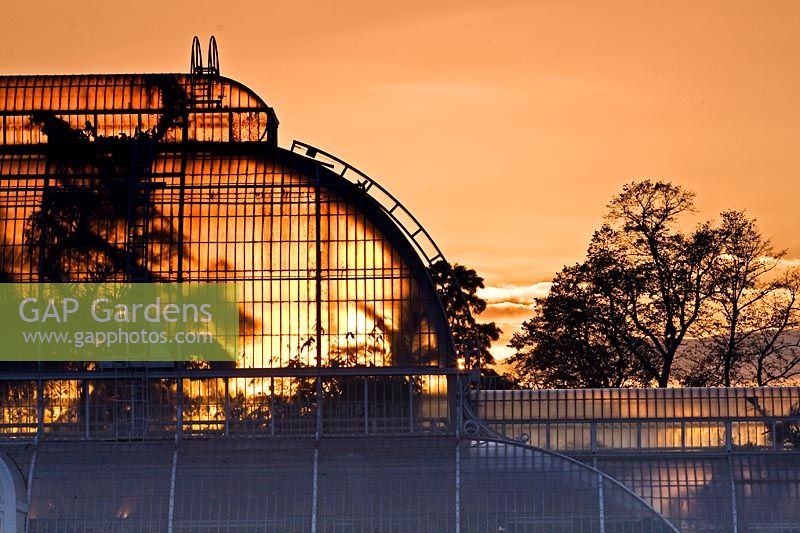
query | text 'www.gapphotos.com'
[79, 339]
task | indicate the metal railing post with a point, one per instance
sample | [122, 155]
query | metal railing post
[459, 404]
[683, 435]
[227, 407]
[728, 435]
[179, 414]
[318, 296]
[639, 435]
[318, 421]
[775, 445]
[547, 445]
[734, 515]
[86, 408]
[271, 406]
[366, 406]
[411, 405]
[458, 490]
[601, 498]
[39, 410]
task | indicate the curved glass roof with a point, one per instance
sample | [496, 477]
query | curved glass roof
[412, 484]
[105, 178]
[209, 108]
[748, 492]
[319, 268]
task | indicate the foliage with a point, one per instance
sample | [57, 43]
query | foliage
[624, 315]
[577, 338]
[458, 289]
[101, 190]
[96, 220]
[750, 311]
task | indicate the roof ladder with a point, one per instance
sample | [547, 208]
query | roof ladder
[202, 86]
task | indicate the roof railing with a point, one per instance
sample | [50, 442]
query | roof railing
[422, 241]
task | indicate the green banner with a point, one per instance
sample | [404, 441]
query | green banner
[119, 322]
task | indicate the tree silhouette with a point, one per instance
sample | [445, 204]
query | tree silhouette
[578, 337]
[100, 193]
[625, 314]
[750, 313]
[666, 276]
[96, 220]
[640, 291]
[458, 289]
[773, 349]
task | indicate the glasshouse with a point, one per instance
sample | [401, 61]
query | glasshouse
[347, 406]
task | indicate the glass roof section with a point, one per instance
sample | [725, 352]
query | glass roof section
[362, 485]
[202, 107]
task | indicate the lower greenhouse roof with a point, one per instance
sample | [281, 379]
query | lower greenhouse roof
[389, 458]
[408, 484]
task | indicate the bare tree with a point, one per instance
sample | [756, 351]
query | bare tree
[740, 308]
[640, 292]
[774, 346]
[665, 276]
[750, 325]
[625, 314]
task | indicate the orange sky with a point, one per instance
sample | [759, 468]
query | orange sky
[504, 128]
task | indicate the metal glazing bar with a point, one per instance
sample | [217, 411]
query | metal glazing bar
[179, 414]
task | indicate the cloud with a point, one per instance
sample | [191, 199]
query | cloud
[789, 263]
[502, 352]
[509, 306]
[515, 294]
[508, 313]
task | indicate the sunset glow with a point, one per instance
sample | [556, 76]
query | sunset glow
[505, 128]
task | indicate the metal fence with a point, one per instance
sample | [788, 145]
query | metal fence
[137, 404]
[142, 406]
[616, 420]
[720, 472]
[719, 492]
[708, 459]
[420, 484]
